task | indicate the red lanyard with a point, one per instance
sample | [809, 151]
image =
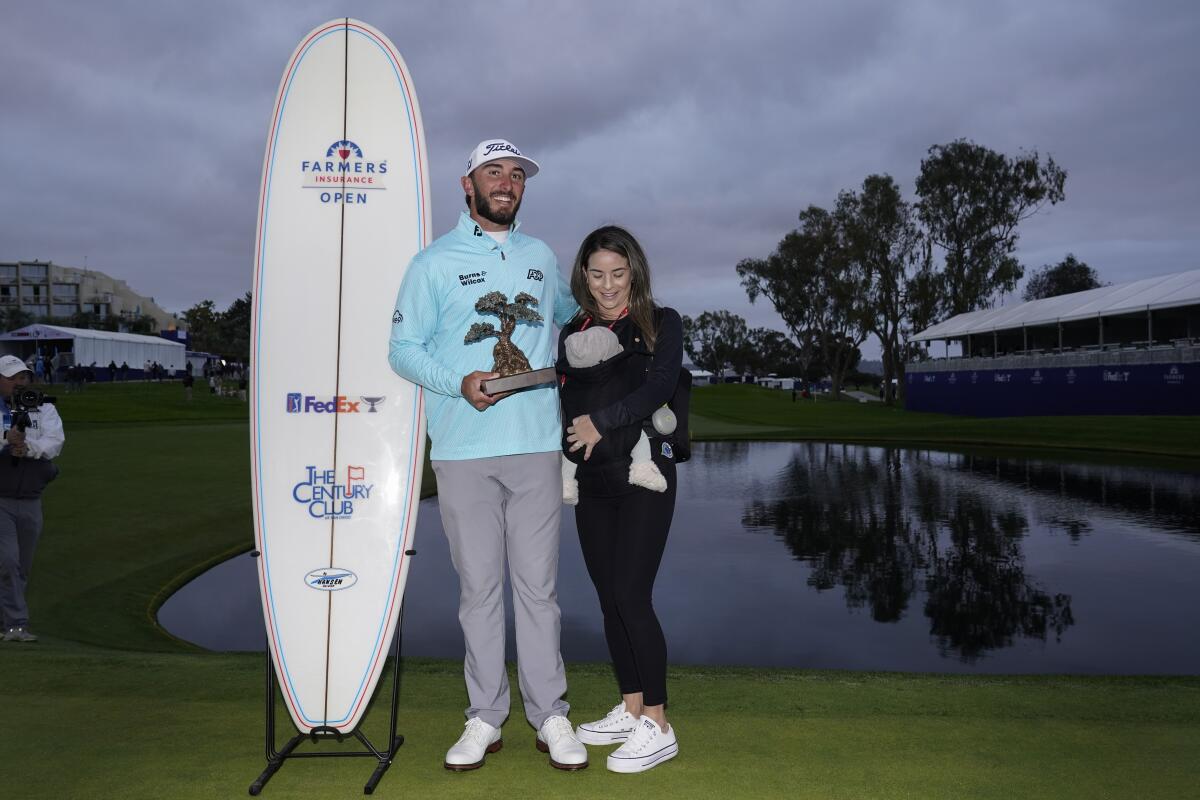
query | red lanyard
[620, 317]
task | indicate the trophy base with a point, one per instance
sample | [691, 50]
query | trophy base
[520, 380]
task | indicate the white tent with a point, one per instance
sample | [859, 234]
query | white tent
[94, 347]
[1148, 294]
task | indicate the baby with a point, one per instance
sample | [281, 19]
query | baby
[588, 348]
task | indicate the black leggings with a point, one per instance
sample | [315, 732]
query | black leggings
[623, 539]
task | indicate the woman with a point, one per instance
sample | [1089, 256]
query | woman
[623, 528]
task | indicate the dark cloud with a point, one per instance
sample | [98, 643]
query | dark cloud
[134, 131]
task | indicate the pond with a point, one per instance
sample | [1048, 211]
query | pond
[854, 557]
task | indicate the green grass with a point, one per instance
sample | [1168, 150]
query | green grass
[107, 705]
[733, 411]
[189, 726]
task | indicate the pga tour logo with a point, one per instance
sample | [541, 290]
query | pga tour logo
[330, 579]
[344, 176]
[326, 498]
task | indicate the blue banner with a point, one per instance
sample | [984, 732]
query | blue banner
[1111, 389]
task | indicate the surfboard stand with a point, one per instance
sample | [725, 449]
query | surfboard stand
[275, 758]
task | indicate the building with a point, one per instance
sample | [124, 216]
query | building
[49, 291]
[1132, 348]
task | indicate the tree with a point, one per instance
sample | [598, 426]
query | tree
[509, 358]
[85, 319]
[883, 236]
[971, 201]
[226, 333]
[17, 318]
[715, 340]
[203, 334]
[772, 352]
[234, 327]
[817, 287]
[1067, 276]
[142, 324]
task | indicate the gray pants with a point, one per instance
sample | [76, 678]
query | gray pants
[20, 524]
[493, 509]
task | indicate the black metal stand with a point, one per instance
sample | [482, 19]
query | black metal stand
[276, 758]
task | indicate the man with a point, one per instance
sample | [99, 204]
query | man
[496, 457]
[25, 469]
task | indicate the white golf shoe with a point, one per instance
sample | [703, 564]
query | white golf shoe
[478, 739]
[615, 727]
[646, 748]
[557, 738]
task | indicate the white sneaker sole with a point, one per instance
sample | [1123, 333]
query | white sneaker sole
[601, 738]
[642, 763]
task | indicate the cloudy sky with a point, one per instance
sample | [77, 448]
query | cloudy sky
[133, 130]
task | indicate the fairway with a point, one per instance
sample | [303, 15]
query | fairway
[107, 705]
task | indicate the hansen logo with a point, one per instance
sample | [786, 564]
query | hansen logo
[304, 404]
[344, 176]
[1036, 378]
[1174, 376]
[331, 579]
[328, 499]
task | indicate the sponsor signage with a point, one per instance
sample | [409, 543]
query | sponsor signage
[344, 176]
[325, 497]
[1070, 390]
[298, 403]
[330, 579]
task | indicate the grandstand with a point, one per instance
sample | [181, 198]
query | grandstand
[1132, 348]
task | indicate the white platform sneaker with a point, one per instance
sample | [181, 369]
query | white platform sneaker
[478, 739]
[646, 748]
[615, 727]
[558, 739]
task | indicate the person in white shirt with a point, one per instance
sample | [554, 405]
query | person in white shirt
[33, 437]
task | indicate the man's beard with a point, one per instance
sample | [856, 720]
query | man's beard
[483, 209]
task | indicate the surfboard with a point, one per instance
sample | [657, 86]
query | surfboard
[337, 438]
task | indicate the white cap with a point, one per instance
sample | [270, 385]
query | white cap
[495, 149]
[11, 366]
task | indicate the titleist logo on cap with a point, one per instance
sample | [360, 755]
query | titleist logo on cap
[494, 149]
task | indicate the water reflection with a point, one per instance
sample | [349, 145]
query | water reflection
[858, 558]
[893, 528]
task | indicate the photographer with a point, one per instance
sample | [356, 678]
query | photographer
[33, 435]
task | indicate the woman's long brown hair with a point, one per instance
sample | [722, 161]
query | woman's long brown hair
[641, 302]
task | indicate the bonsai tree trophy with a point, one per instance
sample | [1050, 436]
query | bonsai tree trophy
[510, 362]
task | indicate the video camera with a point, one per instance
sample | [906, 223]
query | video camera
[26, 399]
[23, 401]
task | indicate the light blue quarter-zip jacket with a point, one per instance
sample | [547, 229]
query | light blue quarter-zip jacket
[434, 310]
